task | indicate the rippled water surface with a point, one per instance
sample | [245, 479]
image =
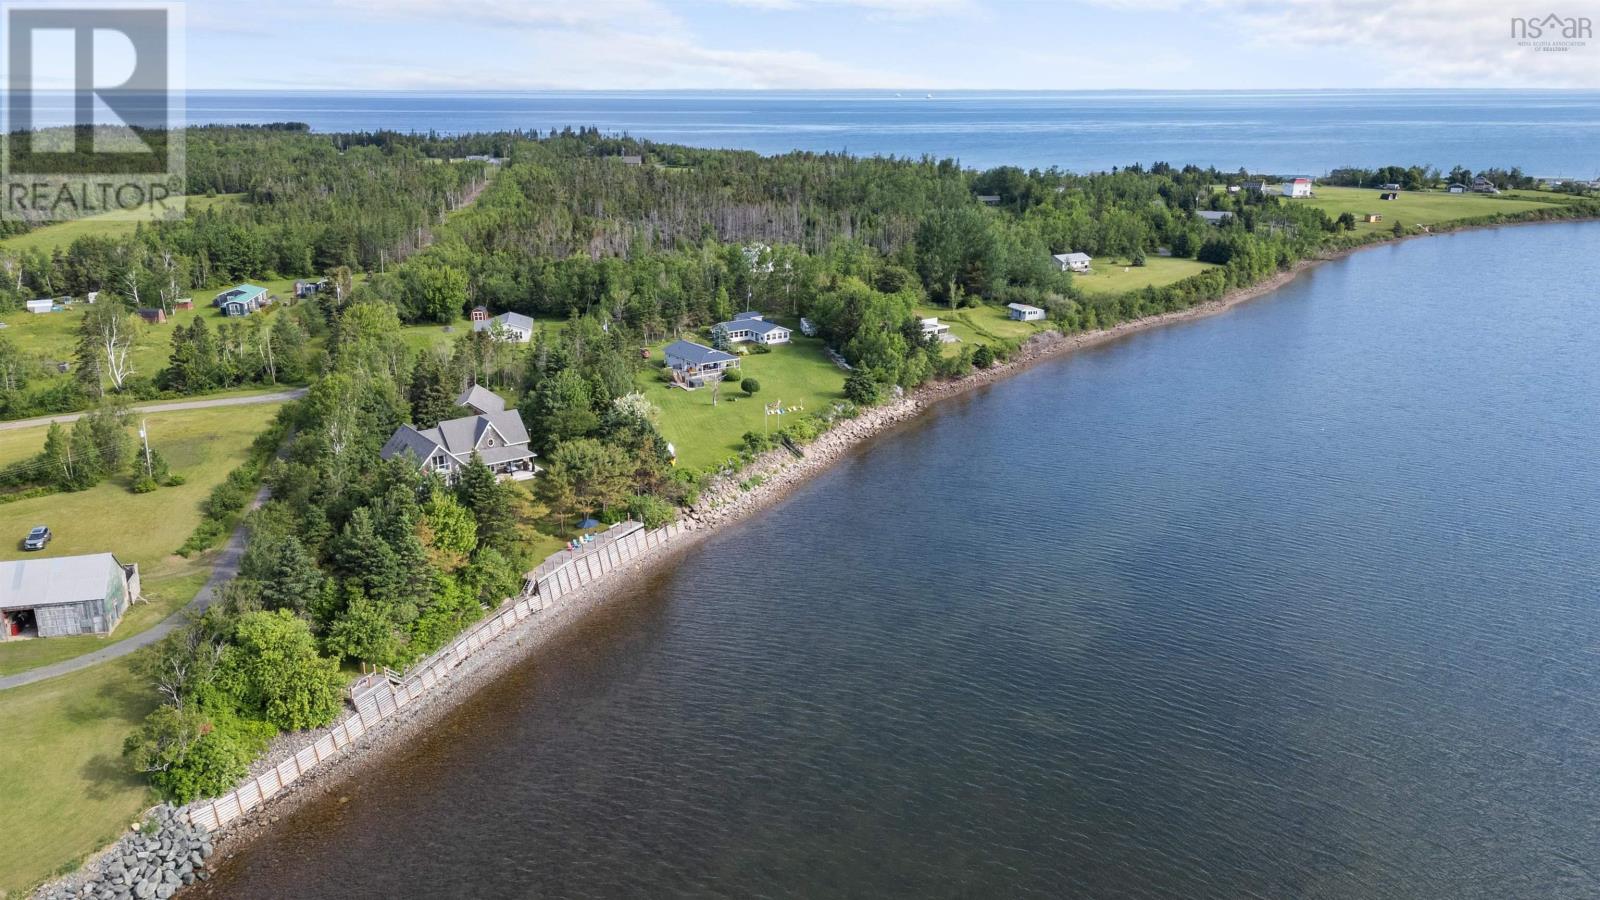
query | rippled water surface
[1301, 600]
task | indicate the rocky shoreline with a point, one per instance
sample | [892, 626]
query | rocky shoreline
[728, 498]
[150, 863]
[770, 477]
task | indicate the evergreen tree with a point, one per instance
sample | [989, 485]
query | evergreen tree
[433, 393]
[111, 438]
[363, 558]
[490, 503]
[286, 574]
[86, 463]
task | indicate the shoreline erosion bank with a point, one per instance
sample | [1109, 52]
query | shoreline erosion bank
[775, 474]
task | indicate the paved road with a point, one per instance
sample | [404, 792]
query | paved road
[226, 567]
[64, 418]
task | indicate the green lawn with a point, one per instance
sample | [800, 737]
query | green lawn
[50, 338]
[1419, 207]
[203, 445]
[429, 335]
[1111, 275]
[61, 234]
[66, 790]
[798, 373]
[975, 325]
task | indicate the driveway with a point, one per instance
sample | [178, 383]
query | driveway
[226, 567]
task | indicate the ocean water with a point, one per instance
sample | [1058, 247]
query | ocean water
[1300, 600]
[1547, 133]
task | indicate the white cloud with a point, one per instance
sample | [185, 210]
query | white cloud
[578, 14]
[1418, 43]
[899, 9]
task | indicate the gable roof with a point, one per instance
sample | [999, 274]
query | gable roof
[480, 399]
[759, 326]
[1073, 257]
[696, 354]
[62, 579]
[1023, 307]
[460, 437]
[508, 320]
[409, 440]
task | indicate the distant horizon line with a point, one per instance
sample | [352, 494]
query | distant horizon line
[896, 91]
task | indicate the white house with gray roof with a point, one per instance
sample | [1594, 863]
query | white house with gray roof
[750, 326]
[1072, 262]
[507, 326]
[64, 595]
[494, 433]
[693, 365]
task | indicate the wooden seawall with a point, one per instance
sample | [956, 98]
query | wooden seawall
[378, 697]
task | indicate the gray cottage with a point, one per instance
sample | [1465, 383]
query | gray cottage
[64, 595]
[494, 433]
[693, 365]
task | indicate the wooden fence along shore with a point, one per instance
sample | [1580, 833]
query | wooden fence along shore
[377, 697]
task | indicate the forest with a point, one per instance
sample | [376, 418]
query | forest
[358, 560]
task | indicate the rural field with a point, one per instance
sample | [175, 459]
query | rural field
[977, 325]
[60, 235]
[1418, 207]
[798, 373]
[202, 445]
[1111, 275]
[66, 790]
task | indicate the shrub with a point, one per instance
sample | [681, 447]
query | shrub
[188, 755]
[651, 510]
[144, 484]
[750, 385]
[862, 389]
[983, 357]
[175, 479]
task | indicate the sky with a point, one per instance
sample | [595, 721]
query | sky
[900, 44]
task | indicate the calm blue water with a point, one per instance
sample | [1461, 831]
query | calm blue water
[1302, 600]
[1544, 132]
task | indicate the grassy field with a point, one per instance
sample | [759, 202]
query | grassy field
[1418, 207]
[61, 235]
[203, 445]
[975, 325]
[428, 335]
[61, 773]
[1118, 276]
[799, 374]
[51, 338]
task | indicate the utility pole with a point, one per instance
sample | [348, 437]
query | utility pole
[144, 435]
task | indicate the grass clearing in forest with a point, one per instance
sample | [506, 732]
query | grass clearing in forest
[202, 445]
[60, 235]
[798, 373]
[1112, 275]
